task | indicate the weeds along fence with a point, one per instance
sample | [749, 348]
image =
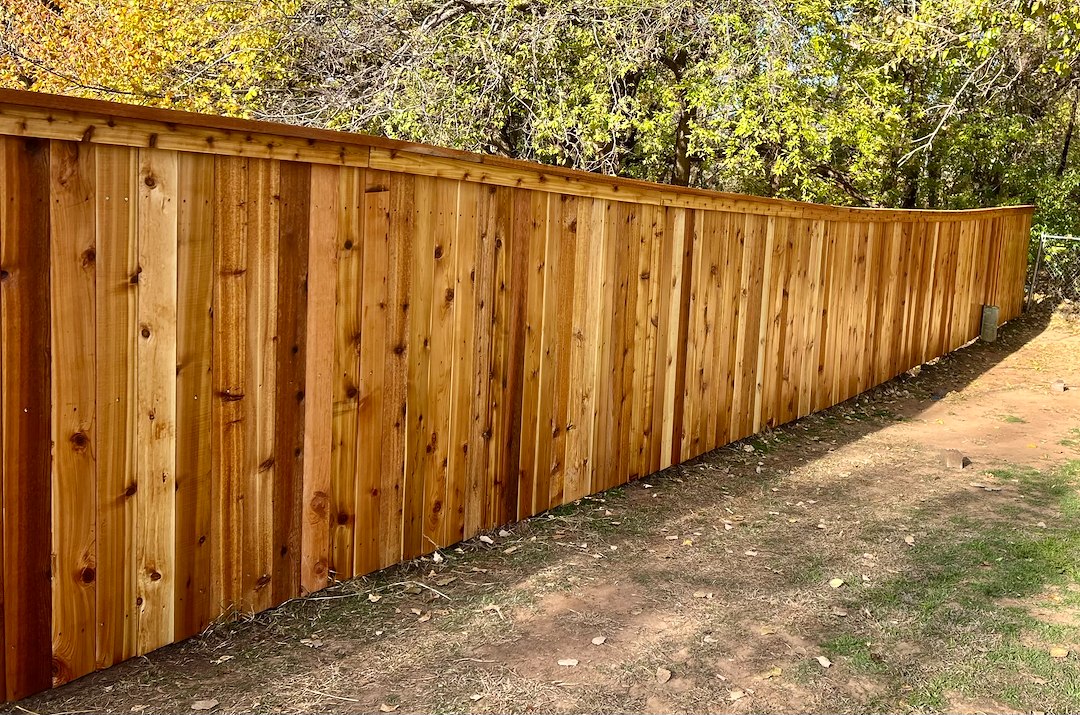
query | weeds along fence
[238, 360]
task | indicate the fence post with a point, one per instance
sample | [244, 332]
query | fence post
[1035, 273]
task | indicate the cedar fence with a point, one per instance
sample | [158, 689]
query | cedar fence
[239, 359]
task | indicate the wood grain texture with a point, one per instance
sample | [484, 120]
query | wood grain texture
[465, 297]
[194, 392]
[291, 370]
[419, 448]
[443, 299]
[349, 249]
[263, 226]
[156, 398]
[477, 471]
[73, 260]
[510, 249]
[230, 381]
[372, 517]
[318, 395]
[117, 347]
[401, 221]
[532, 225]
[25, 384]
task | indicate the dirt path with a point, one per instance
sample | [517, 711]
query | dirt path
[723, 585]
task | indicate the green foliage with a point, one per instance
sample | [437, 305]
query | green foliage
[211, 57]
[940, 103]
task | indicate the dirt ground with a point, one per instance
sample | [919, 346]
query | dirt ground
[833, 565]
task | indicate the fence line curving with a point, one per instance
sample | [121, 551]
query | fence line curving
[238, 359]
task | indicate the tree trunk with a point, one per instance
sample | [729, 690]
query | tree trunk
[933, 179]
[680, 171]
[912, 173]
[1064, 163]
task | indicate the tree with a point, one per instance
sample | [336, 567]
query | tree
[213, 56]
[919, 103]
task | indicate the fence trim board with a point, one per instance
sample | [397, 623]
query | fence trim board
[47, 116]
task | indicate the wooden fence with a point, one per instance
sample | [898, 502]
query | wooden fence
[239, 359]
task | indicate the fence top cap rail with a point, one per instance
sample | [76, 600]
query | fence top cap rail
[666, 194]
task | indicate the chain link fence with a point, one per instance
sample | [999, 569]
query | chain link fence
[1054, 268]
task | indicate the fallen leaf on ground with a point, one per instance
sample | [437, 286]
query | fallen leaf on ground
[424, 618]
[222, 659]
[446, 581]
[437, 557]
[909, 540]
[773, 672]
[311, 643]
[768, 631]
[486, 539]
[204, 704]
[504, 533]
[837, 582]
[663, 675]
[736, 695]
[709, 639]
[688, 542]
[840, 612]
[374, 597]
[384, 708]
[824, 662]
[703, 594]
[599, 640]
[750, 552]
[511, 550]
[1039, 681]
[476, 697]
[568, 662]
[1059, 652]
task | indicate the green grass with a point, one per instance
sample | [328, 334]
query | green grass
[949, 598]
[808, 570]
[1013, 419]
[1073, 440]
[856, 651]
